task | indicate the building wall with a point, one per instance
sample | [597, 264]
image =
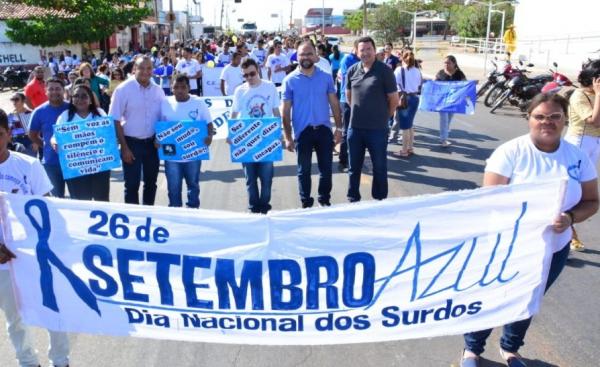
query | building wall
[12, 53]
[567, 32]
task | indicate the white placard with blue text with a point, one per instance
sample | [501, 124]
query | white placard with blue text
[352, 273]
[87, 146]
[182, 140]
[255, 140]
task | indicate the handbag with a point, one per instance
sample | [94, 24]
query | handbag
[403, 97]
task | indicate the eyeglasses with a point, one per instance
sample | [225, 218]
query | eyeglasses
[80, 96]
[555, 117]
[251, 74]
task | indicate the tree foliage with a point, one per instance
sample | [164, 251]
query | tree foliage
[92, 20]
[388, 22]
[354, 21]
[471, 21]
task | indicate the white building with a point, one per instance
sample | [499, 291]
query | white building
[567, 32]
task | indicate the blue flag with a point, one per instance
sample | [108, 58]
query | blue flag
[457, 97]
[255, 140]
[182, 140]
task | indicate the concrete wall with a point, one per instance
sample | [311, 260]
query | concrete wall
[567, 32]
[18, 54]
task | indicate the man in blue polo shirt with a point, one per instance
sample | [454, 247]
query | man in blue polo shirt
[308, 93]
[348, 60]
[43, 120]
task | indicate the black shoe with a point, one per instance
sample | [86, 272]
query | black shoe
[308, 203]
[323, 204]
[343, 167]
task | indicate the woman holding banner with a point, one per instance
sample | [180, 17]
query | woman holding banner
[83, 106]
[451, 72]
[540, 155]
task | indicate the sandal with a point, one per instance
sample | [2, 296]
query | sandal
[401, 154]
[468, 361]
[512, 359]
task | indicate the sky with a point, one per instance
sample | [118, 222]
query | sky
[260, 11]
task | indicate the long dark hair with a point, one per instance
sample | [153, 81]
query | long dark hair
[93, 107]
[336, 52]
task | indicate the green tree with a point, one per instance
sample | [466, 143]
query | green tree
[471, 21]
[388, 22]
[89, 21]
[354, 21]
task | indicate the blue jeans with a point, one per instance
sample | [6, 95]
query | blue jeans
[144, 165]
[346, 123]
[176, 172]
[375, 141]
[258, 200]
[514, 333]
[56, 178]
[445, 120]
[319, 139]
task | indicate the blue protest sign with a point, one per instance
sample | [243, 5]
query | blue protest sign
[87, 146]
[255, 140]
[182, 140]
[457, 97]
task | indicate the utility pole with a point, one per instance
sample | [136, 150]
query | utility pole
[222, 9]
[171, 22]
[364, 17]
[291, 13]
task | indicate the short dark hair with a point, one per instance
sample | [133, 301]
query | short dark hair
[182, 78]
[365, 40]
[589, 71]
[551, 98]
[310, 43]
[187, 49]
[236, 54]
[3, 120]
[56, 80]
[249, 62]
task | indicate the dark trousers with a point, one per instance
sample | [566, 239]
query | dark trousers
[513, 334]
[144, 166]
[344, 145]
[259, 199]
[320, 139]
[375, 141]
[90, 187]
[56, 178]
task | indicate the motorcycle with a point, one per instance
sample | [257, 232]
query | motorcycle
[560, 84]
[14, 79]
[521, 90]
[497, 89]
[493, 78]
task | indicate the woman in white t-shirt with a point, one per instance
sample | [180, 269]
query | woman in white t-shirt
[540, 155]
[83, 106]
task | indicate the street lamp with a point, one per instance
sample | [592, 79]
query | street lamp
[414, 27]
[491, 6]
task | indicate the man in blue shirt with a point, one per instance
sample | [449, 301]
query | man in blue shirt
[347, 61]
[43, 119]
[308, 93]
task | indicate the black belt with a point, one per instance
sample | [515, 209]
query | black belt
[145, 140]
[21, 136]
[315, 127]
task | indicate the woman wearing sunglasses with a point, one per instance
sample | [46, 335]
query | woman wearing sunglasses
[540, 155]
[18, 121]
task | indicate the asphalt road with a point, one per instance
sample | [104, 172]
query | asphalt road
[564, 334]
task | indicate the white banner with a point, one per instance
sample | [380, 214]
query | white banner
[220, 110]
[374, 271]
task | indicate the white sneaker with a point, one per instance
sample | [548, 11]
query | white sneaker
[446, 143]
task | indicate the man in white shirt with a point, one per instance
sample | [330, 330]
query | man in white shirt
[259, 54]
[277, 65]
[190, 67]
[256, 99]
[23, 175]
[183, 106]
[225, 56]
[231, 76]
[135, 106]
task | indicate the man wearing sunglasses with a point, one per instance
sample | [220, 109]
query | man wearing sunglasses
[256, 99]
[308, 93]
